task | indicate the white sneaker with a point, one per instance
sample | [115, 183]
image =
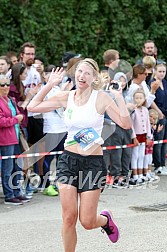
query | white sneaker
[164, 171]
[145, 178]
[141, 181]
[158, 170]
[153, 176]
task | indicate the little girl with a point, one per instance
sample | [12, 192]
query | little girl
[153, 115]
[141, 133]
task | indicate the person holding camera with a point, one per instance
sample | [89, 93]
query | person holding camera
[118, 160]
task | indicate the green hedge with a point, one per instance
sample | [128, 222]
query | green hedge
[86, 27]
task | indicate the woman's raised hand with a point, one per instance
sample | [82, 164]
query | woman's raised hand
[155, 85]
[56, 76]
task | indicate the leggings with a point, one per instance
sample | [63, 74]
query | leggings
[138, 154]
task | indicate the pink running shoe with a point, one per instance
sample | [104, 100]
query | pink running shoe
[110, 228]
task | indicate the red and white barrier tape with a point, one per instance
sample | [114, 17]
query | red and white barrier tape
[132, 145]
[60, 152]
[32, 155]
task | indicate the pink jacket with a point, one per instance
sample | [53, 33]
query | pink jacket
[141, 122]
[7, 122]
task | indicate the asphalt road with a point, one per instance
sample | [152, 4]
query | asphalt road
[36, 226]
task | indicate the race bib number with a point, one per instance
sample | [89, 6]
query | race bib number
[87, 138]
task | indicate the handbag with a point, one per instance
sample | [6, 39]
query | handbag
[23, 142]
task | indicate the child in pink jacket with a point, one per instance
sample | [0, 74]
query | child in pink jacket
[141, 134]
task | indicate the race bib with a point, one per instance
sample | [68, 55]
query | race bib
[87, 138]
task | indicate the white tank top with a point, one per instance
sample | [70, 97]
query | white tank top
[79, 117]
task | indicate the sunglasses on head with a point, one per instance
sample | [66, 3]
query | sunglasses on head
[5, 84]
[159, 62]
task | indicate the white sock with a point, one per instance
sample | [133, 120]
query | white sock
[135, 177]
[140, 175]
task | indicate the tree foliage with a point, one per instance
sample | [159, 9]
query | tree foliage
[86, 27]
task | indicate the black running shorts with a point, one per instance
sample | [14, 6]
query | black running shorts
[84, 172]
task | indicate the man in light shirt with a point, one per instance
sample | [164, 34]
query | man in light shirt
[27, 55]
[33, 80]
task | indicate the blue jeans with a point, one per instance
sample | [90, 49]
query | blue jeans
[6, 170]
[10, 186]
[17, 172]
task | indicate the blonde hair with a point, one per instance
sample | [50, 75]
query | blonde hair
[92, 63]
[155, 113]
[72, 65]
[149, 61]
[98, 83]
[159, 65]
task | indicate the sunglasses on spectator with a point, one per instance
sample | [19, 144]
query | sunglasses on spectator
[5, 84]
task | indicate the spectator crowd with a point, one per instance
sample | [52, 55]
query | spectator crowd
[144, 88]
